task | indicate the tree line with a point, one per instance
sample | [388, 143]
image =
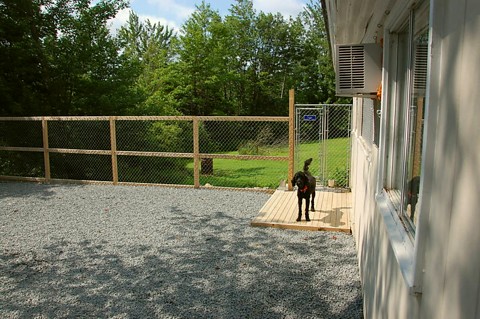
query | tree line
[58, 57]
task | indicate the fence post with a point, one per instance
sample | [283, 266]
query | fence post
[196, 154]
[291, 137]
[46, 154]
[113, 145]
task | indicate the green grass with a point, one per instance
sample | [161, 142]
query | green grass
[267, 173]
[246, 173]
[337, 157]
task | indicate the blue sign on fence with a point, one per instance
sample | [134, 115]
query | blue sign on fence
[309, 117]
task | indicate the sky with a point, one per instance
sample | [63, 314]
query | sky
[174, 13]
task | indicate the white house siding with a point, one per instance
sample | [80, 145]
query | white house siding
[452, 268]
[451, 188]
[385, 293]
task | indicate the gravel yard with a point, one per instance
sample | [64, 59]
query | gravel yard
[149, 252]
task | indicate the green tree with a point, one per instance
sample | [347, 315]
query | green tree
[241, 25]
[23, 64]
[149, 46]
[200, 54]
[280, 44]
[317, 84]
[91, 78]
[59, 58]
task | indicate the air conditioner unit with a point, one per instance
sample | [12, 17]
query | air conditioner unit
[358, 69]
[420, 69]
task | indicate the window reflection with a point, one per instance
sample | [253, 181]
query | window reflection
[415, 120]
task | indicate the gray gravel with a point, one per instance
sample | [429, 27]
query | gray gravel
[148, 252]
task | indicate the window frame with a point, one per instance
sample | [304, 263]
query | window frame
[399, 123]
[407, 246]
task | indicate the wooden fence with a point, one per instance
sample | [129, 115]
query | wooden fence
[115, 153]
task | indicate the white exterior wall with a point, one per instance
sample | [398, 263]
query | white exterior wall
[365, 227]
[449, 238]
[386, 294]
[452, 256]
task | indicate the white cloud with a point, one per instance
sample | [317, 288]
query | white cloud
[122, 17]
[285, 7]
[173, 13]
[172, 7]
[163, 21]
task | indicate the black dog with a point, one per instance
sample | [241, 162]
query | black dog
[413, 188]
[306, 186]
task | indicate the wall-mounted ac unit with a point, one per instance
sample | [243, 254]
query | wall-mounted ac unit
[420, 69]
[358, 69]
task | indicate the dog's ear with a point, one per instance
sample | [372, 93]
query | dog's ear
[294, 180]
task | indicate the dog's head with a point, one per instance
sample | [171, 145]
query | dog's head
[301, 180]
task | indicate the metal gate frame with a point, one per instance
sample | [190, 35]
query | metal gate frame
[320, 114]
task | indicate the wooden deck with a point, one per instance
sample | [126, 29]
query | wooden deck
[332, 211]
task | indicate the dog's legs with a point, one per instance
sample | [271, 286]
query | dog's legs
[313, 200]
[299, 218]
[307, 217]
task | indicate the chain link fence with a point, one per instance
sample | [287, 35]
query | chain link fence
[238, 152]
[25, 135]
[322, 132]
[247, 153]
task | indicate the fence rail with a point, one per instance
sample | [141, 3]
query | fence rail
[185, 151]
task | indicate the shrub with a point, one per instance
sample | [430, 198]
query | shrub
[340, 175]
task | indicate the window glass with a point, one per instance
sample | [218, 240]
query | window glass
[358, 108]
[401, 109]
[367, 121]
[371, 121]
[376, 121]
[408, 63]
[416, 117]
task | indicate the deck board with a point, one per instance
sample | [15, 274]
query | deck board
[332, 211]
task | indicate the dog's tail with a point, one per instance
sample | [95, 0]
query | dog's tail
[307, 164]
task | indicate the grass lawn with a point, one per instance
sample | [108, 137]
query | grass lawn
[267, 173]
[337, 158]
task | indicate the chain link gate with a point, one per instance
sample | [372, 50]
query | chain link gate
[322, 132]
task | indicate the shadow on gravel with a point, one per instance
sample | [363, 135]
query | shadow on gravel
[195, 273]
[82, 280]
[13, 190]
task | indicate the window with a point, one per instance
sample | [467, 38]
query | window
[370, 120]
[367, 121]
[404, 131]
